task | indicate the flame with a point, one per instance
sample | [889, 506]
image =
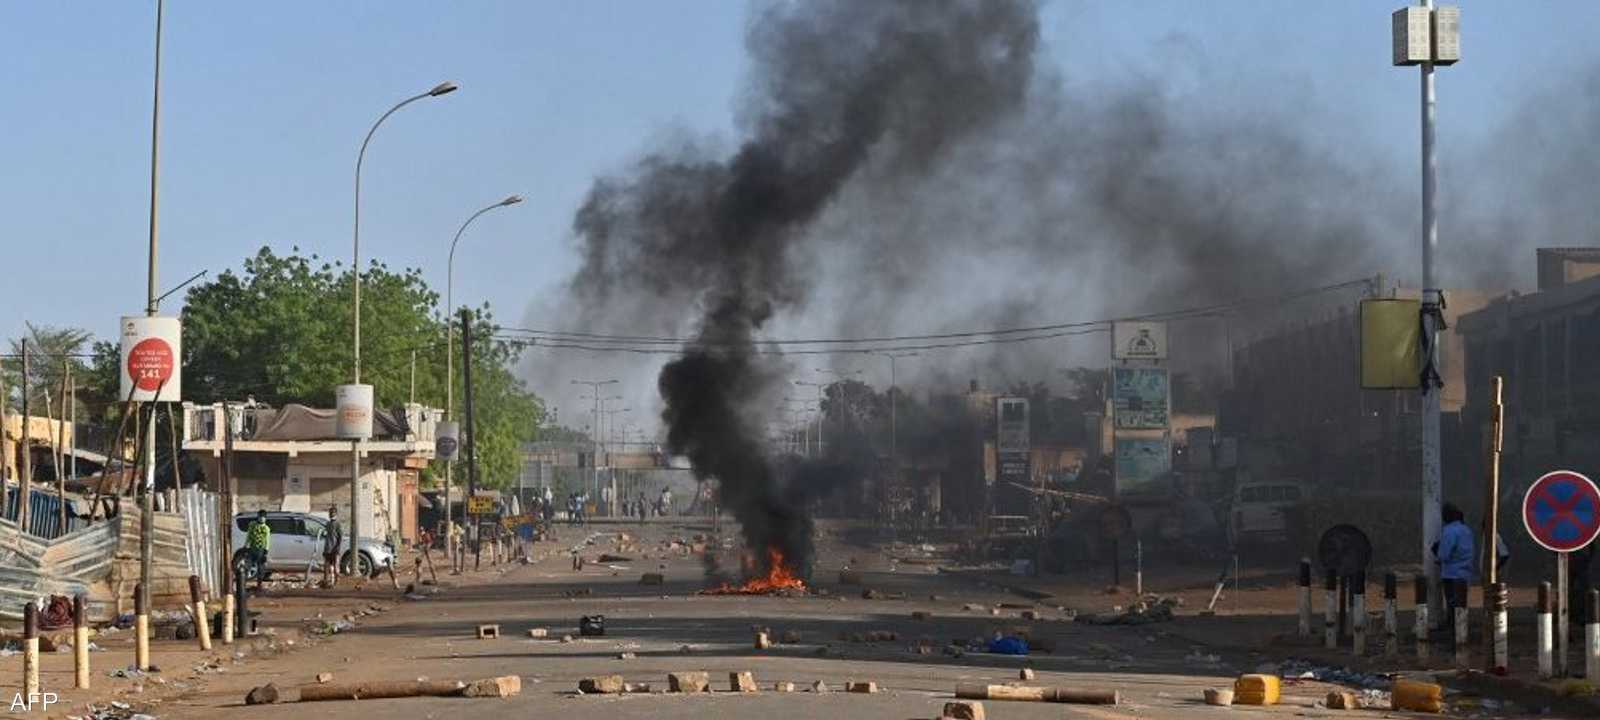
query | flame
[778, 578]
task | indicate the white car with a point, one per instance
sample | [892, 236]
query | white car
[1259, 511]
[297, 546]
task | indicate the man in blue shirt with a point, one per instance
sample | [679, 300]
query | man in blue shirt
[1455, 554]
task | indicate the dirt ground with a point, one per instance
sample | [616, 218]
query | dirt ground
[1160, 668]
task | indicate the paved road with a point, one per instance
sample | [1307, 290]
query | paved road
[670, 628]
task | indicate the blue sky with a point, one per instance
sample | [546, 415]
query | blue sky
[265, 105]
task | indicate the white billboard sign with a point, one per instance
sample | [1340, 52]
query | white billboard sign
[353, 412]
[152, 359]
[1139, 341]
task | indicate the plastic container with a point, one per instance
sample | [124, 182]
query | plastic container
[1417, 696]
[1256, 690]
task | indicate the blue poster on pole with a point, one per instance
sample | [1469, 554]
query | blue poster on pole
[1142, 462]
[1139, 398]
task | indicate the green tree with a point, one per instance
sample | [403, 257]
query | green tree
[279, 330]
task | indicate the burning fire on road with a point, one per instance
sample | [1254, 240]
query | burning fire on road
[779, 578]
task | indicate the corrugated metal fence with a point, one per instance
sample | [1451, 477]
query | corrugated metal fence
[44, 513]
[204, 540]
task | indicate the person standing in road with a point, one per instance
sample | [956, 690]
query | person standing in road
[332, 539]
[1455, 554]
[258, 543]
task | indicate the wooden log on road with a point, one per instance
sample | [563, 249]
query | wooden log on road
[378, 689]
[972, 691]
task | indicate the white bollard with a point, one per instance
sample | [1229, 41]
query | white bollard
[1391, 619]
[1358, 608]
[1500, 627]
[1547, 632]
[1330, 613]
[1305, 597]
[1463, 657]
[1421, 630]
[1591, 649]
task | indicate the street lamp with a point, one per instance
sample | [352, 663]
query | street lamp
[894, 405]
[355, 272]
[594, 437]
[805, 405]
[450, 352]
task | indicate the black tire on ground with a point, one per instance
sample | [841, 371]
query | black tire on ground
[365, 566]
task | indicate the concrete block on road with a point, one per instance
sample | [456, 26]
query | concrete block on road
[1025, 674]
[1030, 614]
[744, 682]
[636, 687]
[325, 677]
[1342, 700]
[538, 633]
[488, 632]
[688, 682]
[626, 656]
[499, 687]
[601, 685]
[783, 687]
[861, 687]
[964, 710]
[763, 640]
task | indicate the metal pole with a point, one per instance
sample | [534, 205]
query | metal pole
[471, 444]
[72, 404]
[1432, 482]
[413, 394]
[25, 468]
[1491, 548]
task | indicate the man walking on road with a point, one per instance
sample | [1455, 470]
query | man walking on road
[332, 539]
[258, 543]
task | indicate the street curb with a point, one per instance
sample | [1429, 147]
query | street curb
[1533, 695]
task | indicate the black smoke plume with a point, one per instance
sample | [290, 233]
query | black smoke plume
[836, 85]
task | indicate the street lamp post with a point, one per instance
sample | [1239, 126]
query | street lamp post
[443, 88]
[1426, 37]
[594, 437]
[449, 361]
[894, 405]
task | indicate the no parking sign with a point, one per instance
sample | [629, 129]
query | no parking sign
[1562, 511]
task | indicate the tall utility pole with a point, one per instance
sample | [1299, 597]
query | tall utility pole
[894, 405]
[594, 437]
[471, 425]
[147, 526]
[1426, 37]
[25, 469]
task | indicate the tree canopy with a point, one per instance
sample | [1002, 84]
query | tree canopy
[279, 330]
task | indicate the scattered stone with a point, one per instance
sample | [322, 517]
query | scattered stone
[935, 598]
[685, 649]
[538, 633]
[499, 687]
[790, 637]
[1219, 696]
[862, 687]
[1025, 674]
[265, 695]
[954, 650]
[324, 678]
[652, 579]
[688, 682]
[636, 687]
[609, 558]
[763, 640]
[1030, 614]
[882, 636]
[1342, 700]
[488, 632]
[975, 607]
[783, 687]
[566, 638]
[919, 615]
[964, 710]
[819, 687]
[601, 685]
[870, 594]
[626, 656]
[742, 682]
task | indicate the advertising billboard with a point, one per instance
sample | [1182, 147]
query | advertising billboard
[1140, 398]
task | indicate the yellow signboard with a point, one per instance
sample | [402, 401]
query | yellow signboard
[1391, 344]
[480, 505]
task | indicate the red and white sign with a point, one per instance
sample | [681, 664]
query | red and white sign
[151, 359]
[1562, 511]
